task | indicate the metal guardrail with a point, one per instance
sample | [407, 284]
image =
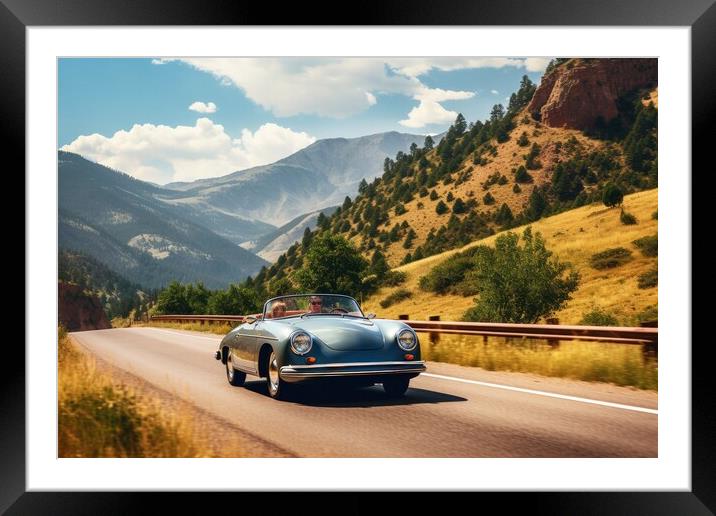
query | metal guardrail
[199, 318]
[551, 332]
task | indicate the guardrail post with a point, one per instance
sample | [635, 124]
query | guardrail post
[650, 349]
[434, 337]
[403, 317]
[554, 343]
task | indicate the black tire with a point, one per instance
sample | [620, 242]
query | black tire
[396, 387]
[235, 378]
[277, 388]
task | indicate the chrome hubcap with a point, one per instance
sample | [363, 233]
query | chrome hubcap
[273, 373]
[229, 367]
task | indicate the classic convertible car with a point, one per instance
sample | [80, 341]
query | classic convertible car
[314, 337]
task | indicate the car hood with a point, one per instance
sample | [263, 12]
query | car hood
[342, 333]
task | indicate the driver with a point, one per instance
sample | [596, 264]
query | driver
[315, 304]
[278, 310]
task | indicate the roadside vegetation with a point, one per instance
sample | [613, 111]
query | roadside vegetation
[100, 417]
[620, 364]
[208, 327]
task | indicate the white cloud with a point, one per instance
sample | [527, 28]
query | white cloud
[200, 107]
[537, 64]
[341, 87]
[430, 111]
[494, 92]
[163, 154]
[330, 87]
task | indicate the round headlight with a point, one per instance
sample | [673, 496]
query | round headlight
[301, 343]
[407, 339]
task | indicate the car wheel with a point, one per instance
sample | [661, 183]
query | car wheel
[277, 388]
[396, 387]
[236, 378]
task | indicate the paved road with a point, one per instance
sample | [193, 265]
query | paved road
[451, 411]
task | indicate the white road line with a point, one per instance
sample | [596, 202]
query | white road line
[544, 393]
[184, 334]
[484, 384]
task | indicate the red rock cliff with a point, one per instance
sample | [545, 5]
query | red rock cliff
[79, 311]
[577, 93]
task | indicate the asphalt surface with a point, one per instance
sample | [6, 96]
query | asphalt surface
[450, 411]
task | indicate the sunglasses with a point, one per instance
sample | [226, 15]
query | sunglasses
[315, 302]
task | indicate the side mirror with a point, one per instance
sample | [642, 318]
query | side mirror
[370, 315]
[250, 319]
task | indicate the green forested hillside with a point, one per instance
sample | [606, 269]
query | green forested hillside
[117, 295]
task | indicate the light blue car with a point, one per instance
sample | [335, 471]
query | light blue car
[320, 337]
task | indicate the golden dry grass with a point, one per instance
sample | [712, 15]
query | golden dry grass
[573, 236]
[620, 364]
[99, 418]
[216, 328]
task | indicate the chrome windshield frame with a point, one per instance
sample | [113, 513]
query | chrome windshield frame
[269, 301]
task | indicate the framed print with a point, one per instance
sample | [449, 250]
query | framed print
[228, 204]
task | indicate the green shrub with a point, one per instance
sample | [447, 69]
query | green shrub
[627, 218]
[649, 314]
[612, 195]
[648, 245]
[531, 161]
[610, 258]
[522, 141]
[459, 206]
[395, 297]
[598, 317]
[441, 208]
[522, 176]
[649, 279]
[520, 284]
[488, 199]
[447, 275]
[394, 278]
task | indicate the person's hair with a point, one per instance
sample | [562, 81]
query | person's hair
[315, 298]
[280, 305]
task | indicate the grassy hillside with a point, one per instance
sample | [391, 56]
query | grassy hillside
[573, 236]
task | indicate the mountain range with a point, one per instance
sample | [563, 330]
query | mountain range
[271, 246]
[311, 179]
[119, 221]
[152, 234]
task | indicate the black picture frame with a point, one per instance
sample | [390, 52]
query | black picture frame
[17, 15]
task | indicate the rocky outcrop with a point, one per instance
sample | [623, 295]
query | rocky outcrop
[79, 311]
[578, 93]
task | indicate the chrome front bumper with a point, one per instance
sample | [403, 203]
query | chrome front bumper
[351, 369]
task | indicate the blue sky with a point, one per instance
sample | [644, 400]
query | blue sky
[134, 114]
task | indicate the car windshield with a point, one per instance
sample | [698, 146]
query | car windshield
[311, 304]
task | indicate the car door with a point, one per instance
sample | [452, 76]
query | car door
[242, 349]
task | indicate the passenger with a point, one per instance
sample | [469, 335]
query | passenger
[278, 310]
[316, 304]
